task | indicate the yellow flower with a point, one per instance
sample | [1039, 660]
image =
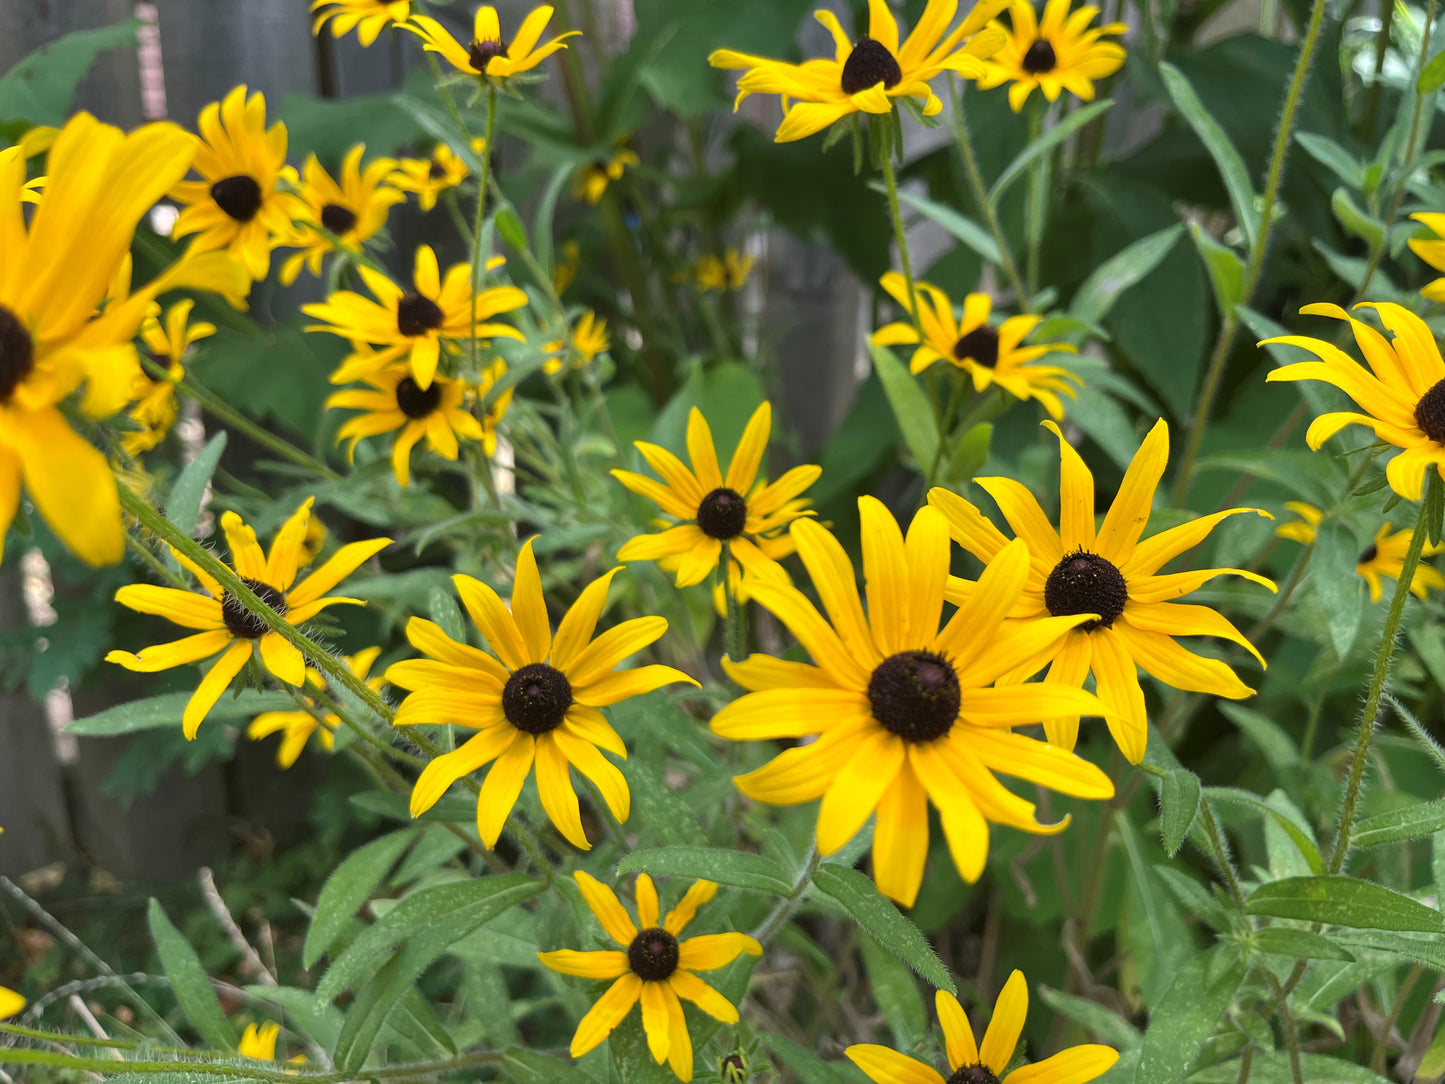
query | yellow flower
[740, 584]
[567, 267]
[227, 627]
[354, 210]
[367, 17]
[296, 727]
[728, 273]
[154, 398]
[1385, 556]
[653, 968]
[1432, 251]
[990, 355]
[259, 1043]
[237, 206]
[1403, 392]
[867, 76]
[972, 1063]
[11, 1003]
[394, 403]
[538, 703]
[739, 510]
[1055, 54]
[487, 54]
[903, 709]
[592, 180]
[54, 273]
[414, 323]
[588, 339]
[1111, 574]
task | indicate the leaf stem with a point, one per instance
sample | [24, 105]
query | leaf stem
[890, 179]
[785, 909]
[483, 184]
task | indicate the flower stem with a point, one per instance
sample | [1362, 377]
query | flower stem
[736, 629]
[483, 183]
[786, 908]
[980, 195]
[234, 419]
[890, 179]
[1036, 210]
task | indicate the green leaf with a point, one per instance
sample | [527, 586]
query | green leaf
[1042, 145]
[1232, 169]
[1432, 76]
[1092, 1017]
[1297, 832]
[1344, 901]
[166, 710]
[189, 981]
[40, 89]
[895, 992]
[1101, 289]
[802, 1063]
[385, 992]
[183, 507]
[348, 887]
[662, 808]
[735, 868]
[1187, 1015]
[876, 914]
[1271, 739]
[542, 228]
[968, 455]
[1179, 795]
[1333, 571]
[510, 227]
[1299, 944]
[441, 603]
[528, 1067]
[1399, 825]
[1333, 157]
[1366, 227]
[910, 406]
[1226, 269]
[435, 122]
[1428, 951]
[962, 228]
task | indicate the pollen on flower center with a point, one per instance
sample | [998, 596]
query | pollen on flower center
[973, 1074]
[416, 315]
[915, 695]
[723, 514]
[17, 353]
[1040, 58]
[1085, 583]
[869, 64]
[1371, 552]
[238, 196]
[1430, 413]
[415, 402]
[653, 954]
[241, 622]
[980, 344]
[536, 698]
[337, 219]
[482, 53]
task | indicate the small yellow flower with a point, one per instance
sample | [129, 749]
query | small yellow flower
[487, 55]
[1055, 54]
[1385, 556]
[990, 355]
[11, 1003]
[430, 177]
[567, 267]
[592, 180]
[973, 1063]
[259, 1043]
[155, 404]
[1432, 251]
[536, 700]
[653, 968]
[296, 727]
[354, 210]
[588, 339]
[367, 17]
[728, 273]
[227, 627]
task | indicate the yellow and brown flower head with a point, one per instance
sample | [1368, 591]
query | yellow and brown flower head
[367, 17]
[725, 274]
[971, 1062]
[1114, 576]
[1383, 557]
[588, 339]
[428, 178]
[488, 54]
[535, 699]
[296, 727]
[654, 968]
[1056, 53]
[227, 627]
[592, 180]
[905, 711]
[869, 75]
[354, 210]
[990, 355]
[737, 511]
[154, 407]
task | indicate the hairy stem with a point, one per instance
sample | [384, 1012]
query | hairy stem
[980, 195]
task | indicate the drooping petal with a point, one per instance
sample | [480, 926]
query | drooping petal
[503, 784]
[606, 1014]
[900, 838]
[216, 681]
[884, 1066]
[857, 788]
[604, 903]
[1077, 1065]
[446, 769]
[689, 986]
[656, 1021]
[586, 965]
[714, 950]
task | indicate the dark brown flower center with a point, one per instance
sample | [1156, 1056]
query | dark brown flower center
[338, 219]
[1040, 58]
[536, 697]
[973, 1074]
[723, 514]
[416, 315]
[241, 622]
[414, 401]
[1430, 413]
[869, 64]
[653, 954]
[483, 53]
[238, 196]
[17, 353]
[436, 171]
[980, 344]
[915, 695]
[1371, 552]
[1085, 583]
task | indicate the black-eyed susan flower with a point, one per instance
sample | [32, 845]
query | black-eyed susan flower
[868, 75]
[723, 274]
[11, 1003]
[353, 210]
[259, 1042]
[414, 323]
[588, 339]
[1402, 392]
[226, 627]
[903, 709]
[427, 178]
[488, 54]
[154, 407]
[296, 727]
[653, 968]
[1112, 575]
[367, 17]
[971, 1062]
[592, 180]
[1384, 557]
[1432, 251]
[238, 205]
[534, 700]
[1056, 53]
[394, 403]
[990, 355]
[739, 584]
[737, 510]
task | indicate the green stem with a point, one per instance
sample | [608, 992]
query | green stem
[980, 195]
[1034, 211]
[891, 181]
[785, 909]
[252, 1070]
[1221, 854]
[483, 184]
[156, 565]
[736, 632]
[949, 412]
[264, 437]
[1287, 1024]
[1230, 326]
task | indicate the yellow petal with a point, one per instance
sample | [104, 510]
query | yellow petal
[1129, 514]
[216, 681]
[1007, 1024]
[606, 1014]
[287, 548]
[648, 907]
[503, 784]
[586, 965]
[554, 787]
[493, 619]
[603, 903]
[714, 950]
[678, 918]
[957, 1032]
[687, 985]
[884, 1066]
[1076, 1065]
[656, 1021]
[442, 772]
[529, 607]
[900, 838]
[580, 622]
[743, 470]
